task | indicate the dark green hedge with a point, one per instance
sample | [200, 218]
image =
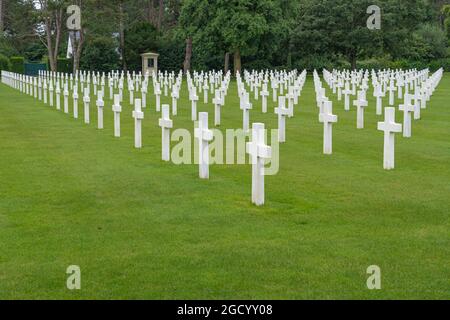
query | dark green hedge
[63, 65]
[18, 64]
[5, 64]
[171, 55]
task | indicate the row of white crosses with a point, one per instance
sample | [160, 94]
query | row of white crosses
[121, 82]
[258, 83]
[393, 81]
[384, 82]
[292, 81]
[51, 83]
[257, 148]
[208, 82]
[326, 115]
[117, 81]
[408, 80]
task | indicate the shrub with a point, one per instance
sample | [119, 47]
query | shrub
[436, 64]
[259, 64]
[5, 64]
[18, 64]
[140, 38]
[100, 54]
[6, 47]
[311, 63]
[374, 63]
[64, 65]
[171, 55]
[428, 42]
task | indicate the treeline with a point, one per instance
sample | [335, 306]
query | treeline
[228, 34]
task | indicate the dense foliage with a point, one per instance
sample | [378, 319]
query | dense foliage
[100, 55]
[5, 64]
[17, 64]
[227, 34]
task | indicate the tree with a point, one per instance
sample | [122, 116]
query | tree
[122, 34]
[94, 11]
[400, 20]
[429, 43]
[51, 13]
[336, 27]
[141, 37]
[77, 40]
[237, 26]
[446, 14]
[100, 55]
[188, 55]
[19, 24]
[1, 17]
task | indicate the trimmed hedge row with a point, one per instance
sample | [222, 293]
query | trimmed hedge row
[17, 64]
[63, 65]
[5, 64]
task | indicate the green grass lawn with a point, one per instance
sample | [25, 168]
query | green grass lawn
[141, 228]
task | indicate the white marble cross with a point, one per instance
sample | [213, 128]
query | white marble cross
[131, 90]
[86, 100]
[400, 84]
[378, 94]
[45, 91]
[391, 92]
[423, 99]
[256, 91]
[264, 95]
[111, 91]
[390, 128]
[166, 124]
[246, 106]
[328, 118]
[102, 82]
[417, 103]
[290, 100]
[360, 104]
[27, 85]
[274, 90]
[205, 92]
[282, 112]
[217, 105]
[407, 107]
[321, 97]
[204, 135]
[121, 89]
[66, 98]
[340, 84]
[175, 95]
[166, 87]
[35, 88]
[50, 89]
[75, 101]
[100, 105]
[144, 94]
[259, 152]
[347, 92]
[194, 98]
[138, 116]
[158, 96]
[94, 81]
[39, 89]
[117, 109]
